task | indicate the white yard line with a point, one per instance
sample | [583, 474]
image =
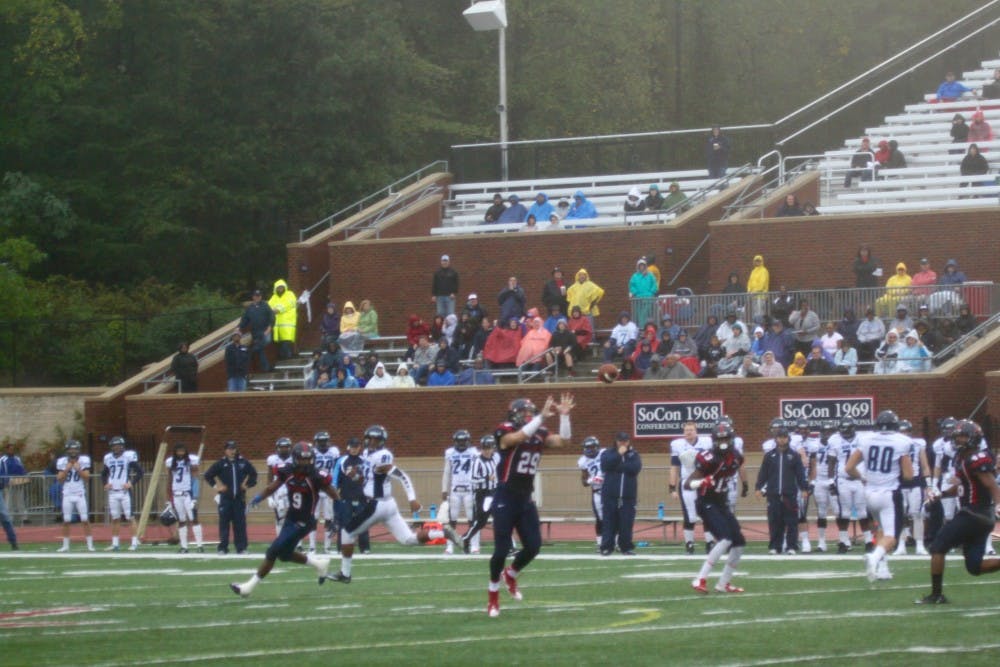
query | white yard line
[903, 650]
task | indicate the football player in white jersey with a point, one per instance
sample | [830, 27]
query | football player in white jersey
[381, 506]
[882, 459]
[120, 473]
[74, 474]
[738, 486]
[819, 475]
[942, 509]
[326, 456]
[848, 494]
[806, 442]
[281, 457]
[589, 464]
[456, 480]
[683, 452]
[184, 493]
[912, 493]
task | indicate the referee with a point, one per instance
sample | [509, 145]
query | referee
[231, 476]
[484, 483]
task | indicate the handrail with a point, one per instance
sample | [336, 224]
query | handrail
[699, 196]
[754, 191]
[960, 343]
[612, 137]
[694, 253]
[528, 375]
[364, 202]
[398, 203]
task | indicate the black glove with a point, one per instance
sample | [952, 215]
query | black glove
[746, 490]
[833, 490]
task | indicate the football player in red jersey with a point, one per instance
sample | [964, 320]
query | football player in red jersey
[521, 440]
[712, 472]
[303, 483]
[979, 504]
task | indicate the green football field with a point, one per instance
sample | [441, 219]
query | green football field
[418, 607]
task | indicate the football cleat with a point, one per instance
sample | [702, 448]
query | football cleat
[900, 550]
[843, 548]
[921, 551]
[339, 576]
[932, 599]
[728, 588]
[869, 547]
[493, 605]
[466, 548]
[511, 584]
[62, 550]
[113, 547]
[700, 586]
[772, 552]
[453, 537]
[133, 547]
[449, 549]
[689, 547]
[322, 567]
[709, 546]
[201, 550]
[91, 549]
[182, 551]
[871, 567]
[235, 588]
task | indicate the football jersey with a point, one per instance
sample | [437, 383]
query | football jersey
[821, 456]
[275, 463]
[592, 464]
[181, 478]
[349, 475]
[74, 484]
[484, 473]
[117, 467]
[974, 494]
[378, 485]
[326, 460]
[720, 467]
[683, 453]
[458, 468]
[881, 452]
[841, 449]
[519, 464]
[917, 445]
[938, 448]
[303, 492]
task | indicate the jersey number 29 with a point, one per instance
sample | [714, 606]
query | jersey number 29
[527, 464]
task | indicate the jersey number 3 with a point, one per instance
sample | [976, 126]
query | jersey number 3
[527, 464]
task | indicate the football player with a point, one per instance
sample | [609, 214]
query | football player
[738, 486]
[281, 457]
[884, 456]
[710, 480]
[683, 452]
[456, 481]
[806, 442]
[484, 484]
[912, 493]
[326, 458]
[349, 474]
[120, 473]
[848, 493]
[74, 474]
[304, 484]
[979, 500]
[589, 464]
[521, 439]
[184, 494]
[819, 476]
[380, 506]
[942, 509]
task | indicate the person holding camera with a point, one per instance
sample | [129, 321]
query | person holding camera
[231, 476]
[74, 474]
[620, 465]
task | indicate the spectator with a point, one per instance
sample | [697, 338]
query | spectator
[959, 130]
[516, 212]
[725, 330]
[481, 336]
[923, 279]
[748, 368]
[733, 285]
[671, 368]
[780, 341]
[554, 223]
[503, 344]
[237, 363]
[951, 275]
[403, 379]
[447, 355]
[259, 319]
[816, 363]
[758, 286]
[736, 347]
[871, 333]
[230, 477]
[974, 164]
[896, 158]
[664, 344]
[349, 321]
[554, 292]
[979, 129]
[534, 343]
[380, 379]
[622, 341]
[902, 322]
[286, 312]
[642, 288]
[581, 328]
[643, 356]
[950, 89]
[769, 367]
[966, 321]
[653, 269]
[789, 208]
[703, 336]
[845, 359]
[450, 330]
[562, 208]
[530, 224]
[329, 325]
[465, 336]
[423, 359]
[634, 202]
[415, 328]
[581, 208]
[806, 325]
[494, 212]
[585, 294]
[847, 327]
[914, 357]
[809, 208]
[620, 466]
[710, 358]
[897, 285]
[881, 155]
[474, 310]
[887, 354]
[676, 201]
[867, 269]
[441, 376]
[342, 379]
[368, 321]
[475, 374]
[184, 366]
[654, 200]
[991, 90]
[552, 321]
[628, 370]
[757, 342]
[512, 300]
[798, 365]
[783, 478]
[541, 208]
[782, 305]
[862, 163]
[930, 338]
[830, 341]
[717, 153]
[667, 324]
[444, 287]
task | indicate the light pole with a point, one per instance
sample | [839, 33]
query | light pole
[492, 15]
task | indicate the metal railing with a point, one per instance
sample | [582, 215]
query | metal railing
[365, 202]
[399, 202]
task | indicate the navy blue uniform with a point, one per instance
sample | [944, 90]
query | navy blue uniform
[712, 503]
[785, 477]
[234, 474]
[303, 494]
[618, 497]
[352, 494]
[513, 508]
[974, 520]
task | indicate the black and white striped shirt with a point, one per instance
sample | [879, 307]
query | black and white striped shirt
[484, 474]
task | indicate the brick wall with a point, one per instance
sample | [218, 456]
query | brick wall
[818, 251]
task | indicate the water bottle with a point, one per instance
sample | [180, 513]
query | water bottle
[642, 544]
[659, 511]
[434, 512]
[416, 515]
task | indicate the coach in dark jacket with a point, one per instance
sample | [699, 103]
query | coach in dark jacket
[782, 478]
[231, 476]
[620, 466]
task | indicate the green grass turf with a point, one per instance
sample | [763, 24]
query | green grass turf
[415, 606]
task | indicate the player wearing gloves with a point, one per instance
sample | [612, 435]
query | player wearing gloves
[74, 474]
[456, 480]
[683, 452]
[589, 464]
[183, 470]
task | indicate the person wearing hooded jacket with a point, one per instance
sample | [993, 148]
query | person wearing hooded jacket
[585, 294]
[951, 275]
[897, 289]
[642, 286]
[676, 199]
[581, 208]
[979, 129]
[516, 212]
[634, 202]
[350, 338]
[654, 200]
[759, 284]
[542, 208]
[380, 379]
[285, 306]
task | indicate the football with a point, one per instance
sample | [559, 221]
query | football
[607, 373]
